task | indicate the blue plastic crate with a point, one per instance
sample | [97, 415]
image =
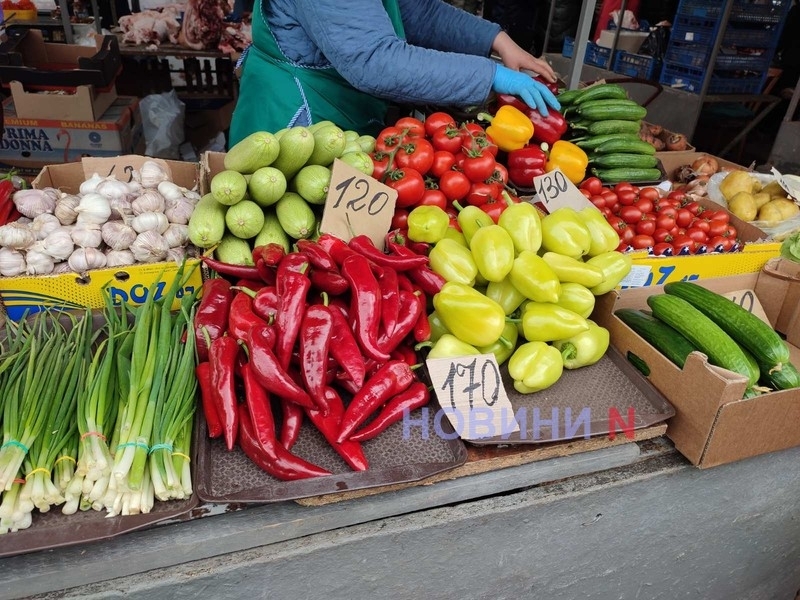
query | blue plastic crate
[688, 55]
[568, 48]
[689, 30]
[770, 13]
[722, 84]
[684, 78]
[635, 65]
[746, 62]
[598, 56]
[700, 8]
[758, 36]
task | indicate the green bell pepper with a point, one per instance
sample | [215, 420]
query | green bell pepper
[534, 278]
[427, 224]
[504, 347]
[584, 349]
[453, 261]
[469, 315]
[543, 322]
[615, 266]
[493, 251]
[573, 270]
[437, 326]
[535, 366]
[471, 219]
[524, 225]
[449, 346]
[563, 232]
[506, 295]
[577, 298]
[604, 236]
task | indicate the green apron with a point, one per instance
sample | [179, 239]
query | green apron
[298, 93]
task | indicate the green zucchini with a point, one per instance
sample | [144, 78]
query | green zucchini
[658, 334]
[613, 126]
[602, 91]
[631, 146]
[703, 333]
[769, 350]
[784, 378]
[627, 174]
[590, 143]
[602, 110]
[623, 159]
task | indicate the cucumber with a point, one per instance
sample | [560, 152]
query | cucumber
[568, 97]
[627, 174]
[613, 126]
[631, 146]
[603, 110]
[658, 334]
[703, 333]
[623, 159]
[769, 350]
[590, 143]
[602, 91]
[784, 379]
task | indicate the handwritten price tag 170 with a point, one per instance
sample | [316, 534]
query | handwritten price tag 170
[555, 191]
[357, 204]
[471, 394]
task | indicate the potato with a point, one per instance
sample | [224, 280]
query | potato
[743, 205]
[738, 181]
[774, 189]
[761, 198]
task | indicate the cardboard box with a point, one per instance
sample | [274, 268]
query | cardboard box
[630, 41]
[73, 290]
[36, 143]
[85, 104]
[672, 160]
[713, 425]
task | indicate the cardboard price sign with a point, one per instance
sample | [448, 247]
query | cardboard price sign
[357, 205]
[554, 191]
[471, 394]
[122, 167]
[748, 300]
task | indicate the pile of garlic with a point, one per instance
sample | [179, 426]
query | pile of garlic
[109, 223]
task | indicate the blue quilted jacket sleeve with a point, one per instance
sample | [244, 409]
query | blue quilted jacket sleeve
[443, 61]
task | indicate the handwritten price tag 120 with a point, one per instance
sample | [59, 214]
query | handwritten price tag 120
[554, 191]
[357, 204]
[471, 394]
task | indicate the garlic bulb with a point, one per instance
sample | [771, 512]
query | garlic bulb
[179, 211]
[87, 235]
[44, 224]
[176, 255]
[120, 208]
[65, 209]
[38, 261]
[148, 201]
[17, 236]
[151, 174]
[59, 244]
[170, 191]
[111, 188]
[84, 259]
[61, 267]
[150, 221]
[33, 203]
[117, 235]
[192, 196]
[93, 209]
[149, 246]
[90, 185]
[176, 235]
[12, 262]
[119, 258]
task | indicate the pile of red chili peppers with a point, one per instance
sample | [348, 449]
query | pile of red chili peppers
[327, 333]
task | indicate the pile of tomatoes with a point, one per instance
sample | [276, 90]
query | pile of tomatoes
[666, 225]
[437, 162]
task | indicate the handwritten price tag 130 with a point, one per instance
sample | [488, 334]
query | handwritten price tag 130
[357, 204]
[554, 191]
[471, 394]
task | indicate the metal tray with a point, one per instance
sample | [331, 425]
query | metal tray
[393, 457]
[611, 383]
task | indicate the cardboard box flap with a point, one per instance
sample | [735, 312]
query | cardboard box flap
[779, 287]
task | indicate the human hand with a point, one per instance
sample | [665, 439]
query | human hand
[532, 92]
[517, 59]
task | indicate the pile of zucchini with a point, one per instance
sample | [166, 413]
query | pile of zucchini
[689, 317]
[605, 123]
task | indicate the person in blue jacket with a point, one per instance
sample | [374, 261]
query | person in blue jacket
[327, 60]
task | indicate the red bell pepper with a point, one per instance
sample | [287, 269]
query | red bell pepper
[547, 129]
[526, 164]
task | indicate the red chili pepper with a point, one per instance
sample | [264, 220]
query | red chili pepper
[241, 318]
[264, 302]
[276, 461]
[292, 290]
[330, 282]
[318, 256]
[413, 397]
[390, 299]
[410, 309]
[365, 246]
[547, 129]
[213, 423]
[294, 262]
[344, 348]
[250, 284]
[526, 164]
[351, 452]
[337, 248]
[428, 280]
[406, 251]
[292, 415]
[222, 357]
[315, 338]
[267, 273]
[259, 408]
[406, 353]
[238, 271]
[7, 207]
[422, 328]
[269, 371]
[270, 254]
[391, 379]
[404, 283]
[212, 313]
[365, 305]
[399, 237]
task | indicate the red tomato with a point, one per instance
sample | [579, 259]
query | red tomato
[669, 211]
[587, 194]
[416, 154]
[478, 165]
[647, 226]
[626, 197]
[716, 228]
[630, 214]
[662, 236]
[388, 139]
[480, 193]
[494, 209]
[500, 174]
[625, 186]
[437, 119]
[606, 212]
[680, 242]
[666, 202]
[380, 163]
[408, 183]
[694, 208]
[598, 201]
[683, 217]
[433, 198]
[662, 249]
[698, 235]
[454, 184]
[717, 215]
[618, 224]
[703, 224]
[443, 161]
[649, 193]
[447, 138]
[593, 185]
[721, 243]
[731, 232]
[411, 127]
[400, 219]
[644, 204]
[469, 133]
[665, 221]
[640, 242]
[623, 247]
[678, 195]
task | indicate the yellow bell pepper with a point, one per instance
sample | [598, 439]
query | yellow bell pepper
[469, 315]
[535, 366]
[571, 159]
[615, 266]
[564, 232]
[604, 237]
[510, 128]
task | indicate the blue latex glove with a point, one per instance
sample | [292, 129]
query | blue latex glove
[533, 93]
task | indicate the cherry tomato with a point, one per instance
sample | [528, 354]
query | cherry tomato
[678, 195]
[433, 198]
[662, 249]
[454, 184]
[400, 219]
[411, 127]
[437, 119]
[630, 214]
[680, 242]
[698, 235]
[683, 217]
[443, 161]
[480, 193]
[447, 138]
[644, 204]
[494, 209]
[478, 165]
[606, 212]
[666, 202]
[639, 242]
[416, 154]
[598, 201]
[408, 183]
[586, 194]
[665, 221]
[649, 193]
[623, 247]
[731, 232]
[618, 224]
[721, 243]
[703, 224]
[694, 207]
[388, 139]
[500, 174]
[626, 197]
[593, 185]
[717, 215]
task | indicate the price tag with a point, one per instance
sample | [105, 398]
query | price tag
[357, 205]
[638, 276]
[748, 300]
[554, 191]
[789, 183]
[472, 396]
[121, 167]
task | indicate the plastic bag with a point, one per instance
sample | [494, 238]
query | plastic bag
[655, 44]
[163, 122]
